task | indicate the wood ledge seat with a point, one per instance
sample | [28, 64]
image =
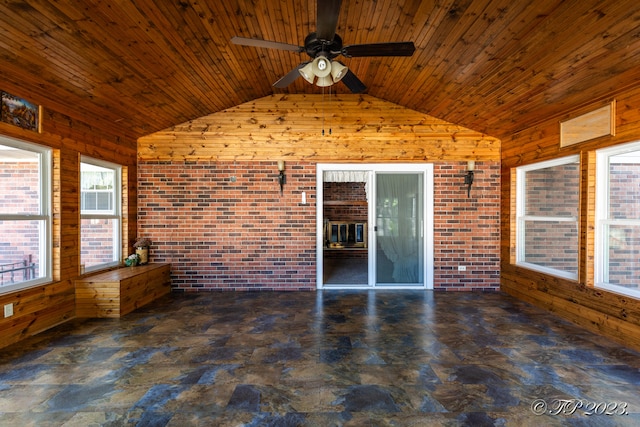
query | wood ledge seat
[115, 293]
[122, 273]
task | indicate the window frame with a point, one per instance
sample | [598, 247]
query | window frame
[522, 218]
[45, 245]
[116, 215]
[602, 220]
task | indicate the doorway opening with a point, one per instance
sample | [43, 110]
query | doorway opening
[345, 222]
[375, 226]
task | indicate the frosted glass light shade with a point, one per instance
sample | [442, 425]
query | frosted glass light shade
[338, 71]
[321, 66]
[324, 81]
[307, 72]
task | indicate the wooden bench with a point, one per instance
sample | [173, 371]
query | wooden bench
[117, 292]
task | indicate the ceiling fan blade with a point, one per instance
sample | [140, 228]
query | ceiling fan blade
[266, 43]
[327, 16]
[353, 83]
[379, 49]
[290, 77]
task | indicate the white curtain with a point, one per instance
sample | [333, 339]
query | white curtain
[398, 217]
[348, 176]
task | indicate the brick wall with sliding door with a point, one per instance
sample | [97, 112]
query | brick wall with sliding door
[225, 225]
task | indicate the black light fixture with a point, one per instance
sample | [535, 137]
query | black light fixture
[468, 178]
[281, 178]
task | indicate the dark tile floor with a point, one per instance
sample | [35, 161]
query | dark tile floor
[332, 358]
[345, 271]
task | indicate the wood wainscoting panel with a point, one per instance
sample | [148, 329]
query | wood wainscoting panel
[35, 310]
[605, 313]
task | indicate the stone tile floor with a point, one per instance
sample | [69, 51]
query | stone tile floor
[326, 358]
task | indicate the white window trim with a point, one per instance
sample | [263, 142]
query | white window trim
[117, 215]
[45, 244]
[521, 218]
[602, 220]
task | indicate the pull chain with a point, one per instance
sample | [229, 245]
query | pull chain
[323, 111]
[329, 110]
[323, 118]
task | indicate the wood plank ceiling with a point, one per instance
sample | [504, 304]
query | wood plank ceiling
[144, 65]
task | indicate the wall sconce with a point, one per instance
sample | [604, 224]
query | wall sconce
[468, 178]
[281, 178]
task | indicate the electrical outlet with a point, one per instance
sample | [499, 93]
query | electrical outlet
[462, 268]
[8, 310]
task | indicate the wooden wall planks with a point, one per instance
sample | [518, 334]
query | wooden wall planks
[601, 311]
[37, 309]
[363, 128]
[43, 307]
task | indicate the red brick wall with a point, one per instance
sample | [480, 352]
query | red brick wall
[18, 194]
[345, 192]
[624, 202]
[553, 192]
[96, 243]
[225, 225]
[243, 235]
[467, 230]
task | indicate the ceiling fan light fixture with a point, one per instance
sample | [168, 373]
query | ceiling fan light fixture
[307, 72]
[321, 66]
[323, 45]
[338, 71]
[324, 81]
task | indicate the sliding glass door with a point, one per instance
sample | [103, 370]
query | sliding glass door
[392, 231]
[399, 229]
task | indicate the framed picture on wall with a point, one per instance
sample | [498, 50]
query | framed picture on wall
[19, 112]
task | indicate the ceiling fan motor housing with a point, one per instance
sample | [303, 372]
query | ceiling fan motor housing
[314, 46]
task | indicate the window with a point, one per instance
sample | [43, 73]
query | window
[25, 215]
[100, 214]
[547, 204]
[617, 265]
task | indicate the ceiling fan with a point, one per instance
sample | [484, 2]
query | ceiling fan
[323, 46]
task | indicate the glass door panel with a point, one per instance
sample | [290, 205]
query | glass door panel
[399, 230]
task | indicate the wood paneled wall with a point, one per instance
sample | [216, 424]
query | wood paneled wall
[289, 127]
[608, 313]
[39, 308]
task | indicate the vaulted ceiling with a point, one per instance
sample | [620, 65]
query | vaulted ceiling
[144, 65]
